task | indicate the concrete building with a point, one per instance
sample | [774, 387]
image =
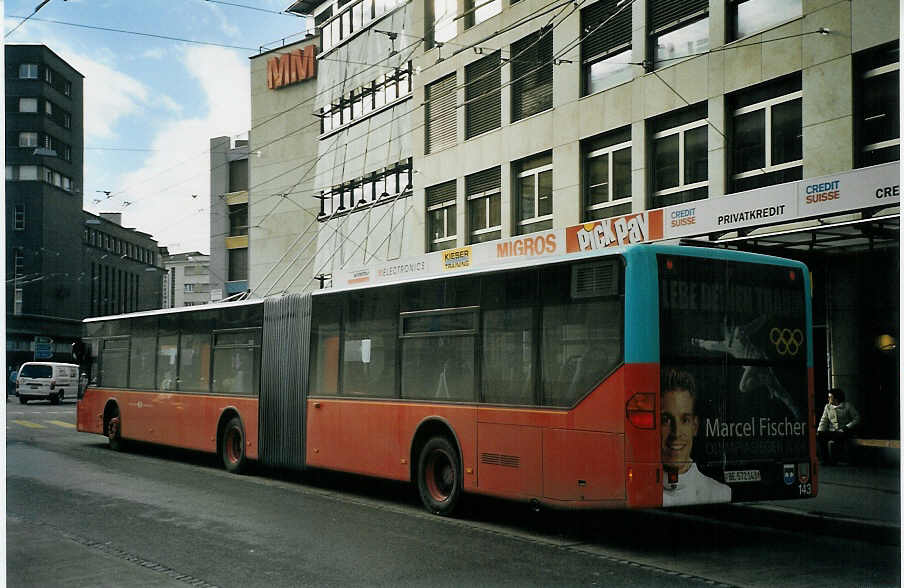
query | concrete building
[282, 208]
[44, 148]
[120, 267]
[186, 279]
[228, 217]
[762, 125]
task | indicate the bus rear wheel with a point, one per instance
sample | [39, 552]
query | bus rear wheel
[439, 476]
[232, 446]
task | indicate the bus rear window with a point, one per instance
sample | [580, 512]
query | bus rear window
[736, 335]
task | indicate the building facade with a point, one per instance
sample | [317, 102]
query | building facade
[228, 217]
[282, 209]
[186, 279]
[120, 267]
[44, 148]
[763, 125]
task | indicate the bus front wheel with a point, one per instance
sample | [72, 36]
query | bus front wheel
[232, 446]
[439, 476]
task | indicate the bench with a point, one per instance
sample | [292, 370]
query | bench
[877, 451]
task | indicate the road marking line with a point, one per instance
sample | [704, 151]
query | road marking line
[62, 424]
[29, 424]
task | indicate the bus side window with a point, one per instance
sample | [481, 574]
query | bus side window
[167, 354]
[370, 334]
[325, 346]
[236, 357]
[581, 337]
[115, 362]
[509, 338]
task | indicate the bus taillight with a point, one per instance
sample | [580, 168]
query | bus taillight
[641, 411]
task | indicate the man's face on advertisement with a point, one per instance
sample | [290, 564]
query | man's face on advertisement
[679, 426]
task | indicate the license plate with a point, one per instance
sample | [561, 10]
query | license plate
[34, 386]
[743, 476]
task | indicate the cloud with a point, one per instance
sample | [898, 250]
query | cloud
[109, 94]
[161, 190]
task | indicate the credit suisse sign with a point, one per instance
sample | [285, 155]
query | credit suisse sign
[292, 67]
[877, 186]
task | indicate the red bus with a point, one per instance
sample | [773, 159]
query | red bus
[639, 376]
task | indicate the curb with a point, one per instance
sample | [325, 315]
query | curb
[821, 523]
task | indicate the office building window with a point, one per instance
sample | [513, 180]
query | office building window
[678, 28]
[25, 173]
[48, 75]
[679, 156]
[442, 22]
[441, 222]
[767, 145]
[532, 74]
[19, 217]
[386, 89]
[351, 19]
[28, 71]
[877, 129]
[238, 219]
[607, 175]
[18, 271]
[483, 99]
[28, 139]
[439, 114]
[752, 16]
[380, 185]
[67, 88]
[606, 45]
[238, 264]
[189, 287]
[48, 107]
[478, 11]
[484, 205]
[28, 104]
[533, 193]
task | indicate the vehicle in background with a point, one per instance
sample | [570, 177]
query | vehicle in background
[46, 380]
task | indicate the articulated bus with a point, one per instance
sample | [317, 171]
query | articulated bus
[629, 377]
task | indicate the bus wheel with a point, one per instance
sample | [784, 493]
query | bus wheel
[114, 434]
[439, 476]
[232, 446]
[55, 399]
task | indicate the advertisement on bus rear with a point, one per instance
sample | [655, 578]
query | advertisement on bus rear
[733, 389]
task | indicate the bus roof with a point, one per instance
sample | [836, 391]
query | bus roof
[159, 311]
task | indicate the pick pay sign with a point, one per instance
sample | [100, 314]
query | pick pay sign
[616, 231]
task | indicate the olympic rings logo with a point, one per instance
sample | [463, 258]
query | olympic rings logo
[786, 341]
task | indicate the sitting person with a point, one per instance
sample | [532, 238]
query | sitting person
[839, 421]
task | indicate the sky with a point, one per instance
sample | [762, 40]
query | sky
[152, 104]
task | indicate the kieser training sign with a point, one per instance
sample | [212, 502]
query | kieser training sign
[795, 201]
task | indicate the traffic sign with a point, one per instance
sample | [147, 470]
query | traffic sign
[43, 348]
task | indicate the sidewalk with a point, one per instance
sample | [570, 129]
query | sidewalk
[853, 501]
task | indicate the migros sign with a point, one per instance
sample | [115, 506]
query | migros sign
[291, 68]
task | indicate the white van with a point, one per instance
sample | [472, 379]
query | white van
[46, 379]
